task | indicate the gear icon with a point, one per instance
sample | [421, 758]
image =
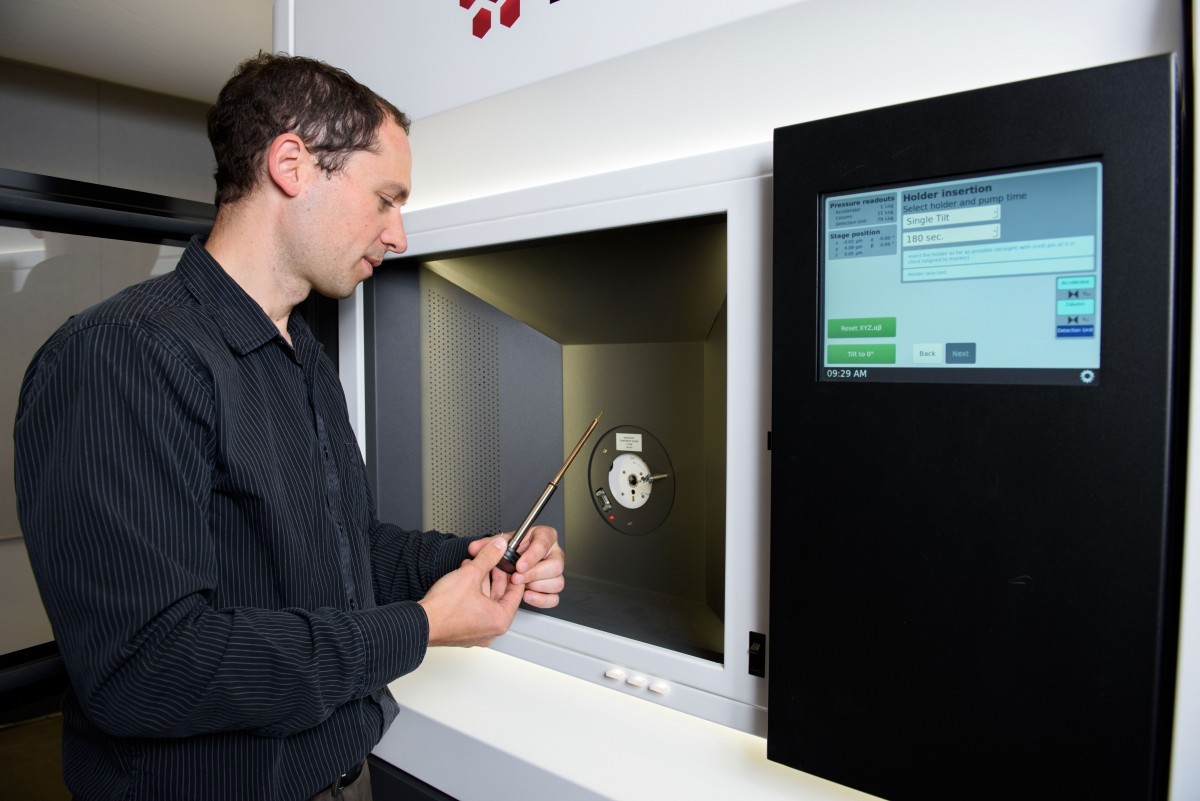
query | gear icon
[1087, 376]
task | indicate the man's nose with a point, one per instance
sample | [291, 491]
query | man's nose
[393, 236]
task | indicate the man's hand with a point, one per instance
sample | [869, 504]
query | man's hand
[474, 604]
[539, 570]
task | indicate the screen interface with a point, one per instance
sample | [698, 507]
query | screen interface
[990, 278]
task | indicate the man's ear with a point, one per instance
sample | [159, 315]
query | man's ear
[287, 163]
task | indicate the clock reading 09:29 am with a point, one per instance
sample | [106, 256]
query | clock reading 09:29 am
[845, 372]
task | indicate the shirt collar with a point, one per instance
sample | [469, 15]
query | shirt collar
[243, 323]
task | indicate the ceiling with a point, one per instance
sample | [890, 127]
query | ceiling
[183, 48]
[580, 289]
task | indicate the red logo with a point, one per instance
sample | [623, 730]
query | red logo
[481, 19]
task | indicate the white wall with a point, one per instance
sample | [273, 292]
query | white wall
[722, 87]
[547, 38]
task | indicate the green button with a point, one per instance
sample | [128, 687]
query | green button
[861, 354]
[852, 327]
[1075, 306]
[1077, 282]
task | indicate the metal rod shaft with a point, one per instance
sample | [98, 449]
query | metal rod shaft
[509, 561]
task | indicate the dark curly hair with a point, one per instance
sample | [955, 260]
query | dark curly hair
[275, 93]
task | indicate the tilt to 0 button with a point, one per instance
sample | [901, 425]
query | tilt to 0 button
[883, 353]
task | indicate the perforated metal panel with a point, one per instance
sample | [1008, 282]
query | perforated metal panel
[462, 380]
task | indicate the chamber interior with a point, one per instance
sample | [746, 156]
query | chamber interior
[521, 346]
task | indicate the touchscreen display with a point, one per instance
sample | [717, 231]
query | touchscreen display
[988, 278]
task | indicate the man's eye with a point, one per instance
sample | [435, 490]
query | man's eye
[386, 202]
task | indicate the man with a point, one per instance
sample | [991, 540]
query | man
[196, 509]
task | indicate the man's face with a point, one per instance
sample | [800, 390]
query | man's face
[352, 217]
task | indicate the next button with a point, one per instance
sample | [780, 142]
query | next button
[960, 353]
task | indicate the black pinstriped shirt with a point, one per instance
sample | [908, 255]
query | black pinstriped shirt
[202, 532]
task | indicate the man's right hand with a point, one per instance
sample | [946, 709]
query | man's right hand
[474, 604]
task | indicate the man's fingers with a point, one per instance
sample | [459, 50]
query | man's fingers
[511, 600]
[489, 556]
[502, 591]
